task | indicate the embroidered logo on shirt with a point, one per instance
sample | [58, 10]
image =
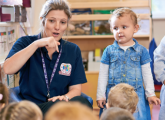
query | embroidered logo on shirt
[65, 69]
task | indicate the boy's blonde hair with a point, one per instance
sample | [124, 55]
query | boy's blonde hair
[70, 111]
[5, 93]
[115, 113]
[121, 11]
[24, 110]
[123, 95]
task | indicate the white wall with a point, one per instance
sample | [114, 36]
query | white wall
[37, 8]
[158, 29]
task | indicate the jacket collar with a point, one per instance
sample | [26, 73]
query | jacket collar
[115, 44]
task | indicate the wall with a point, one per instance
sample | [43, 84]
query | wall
[158, 29]
[37, 8]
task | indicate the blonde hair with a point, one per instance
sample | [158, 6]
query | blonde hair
[70, 111]
[24, 110]
[123, 95]
[115, 113]
[53, 5]
[120, 12]
[5, 93]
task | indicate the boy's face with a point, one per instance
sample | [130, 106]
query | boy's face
[123, 29]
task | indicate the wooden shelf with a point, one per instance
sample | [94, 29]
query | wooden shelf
[80, 37]
[92, 17]
[91, 42]
[8, 24]
[110, 4]
[91, 72]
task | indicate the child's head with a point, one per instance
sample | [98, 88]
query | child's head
[123, 96]
[3, 95]
[70, 111]
[115, 113]
[24, 110]
[124, 24]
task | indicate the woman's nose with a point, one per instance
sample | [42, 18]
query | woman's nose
[57, 26]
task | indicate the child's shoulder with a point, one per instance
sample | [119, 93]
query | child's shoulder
[110, 47]
[141, 47]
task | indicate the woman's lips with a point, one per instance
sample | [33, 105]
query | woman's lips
[55, 34]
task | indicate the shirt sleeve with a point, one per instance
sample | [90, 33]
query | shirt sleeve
[102, 81]
[78, 76]
[18, 45]
[106, 56]
[159, 61]
[148, 80]
[145, 58]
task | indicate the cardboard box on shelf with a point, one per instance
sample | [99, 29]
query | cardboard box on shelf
[3, 76]
[101, 27]
[80, 27]
[16, 80]
[93, 66]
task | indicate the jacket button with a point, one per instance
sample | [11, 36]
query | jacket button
[123, 75]
[124, 62]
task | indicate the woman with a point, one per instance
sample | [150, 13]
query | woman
[50, 68]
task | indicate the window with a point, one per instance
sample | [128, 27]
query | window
[158, 9]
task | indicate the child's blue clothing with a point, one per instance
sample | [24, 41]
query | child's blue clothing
[125, 67]
[159, 70]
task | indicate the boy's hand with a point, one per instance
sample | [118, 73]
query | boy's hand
[154, 100]
[101, 103]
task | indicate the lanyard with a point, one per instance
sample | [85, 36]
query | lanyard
[54, 69]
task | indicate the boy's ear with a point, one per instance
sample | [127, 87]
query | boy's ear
[136, 28]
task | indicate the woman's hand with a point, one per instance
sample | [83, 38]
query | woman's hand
[154, 100]
[53, 99]
[101, 103]
[49, 42]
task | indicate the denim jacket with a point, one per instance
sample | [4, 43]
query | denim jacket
[125, 67]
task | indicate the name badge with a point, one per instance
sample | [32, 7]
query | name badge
[65, 69]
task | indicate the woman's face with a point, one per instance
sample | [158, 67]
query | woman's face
[55, 24]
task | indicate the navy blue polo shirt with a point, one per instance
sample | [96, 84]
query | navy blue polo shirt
[69, 71]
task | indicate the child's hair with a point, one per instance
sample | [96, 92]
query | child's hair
[123, 95]
[24, 110]
[4, 94]
[70, 111]
[115, 113]
[120, 12]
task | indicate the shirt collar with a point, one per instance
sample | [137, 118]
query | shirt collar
[115, 44]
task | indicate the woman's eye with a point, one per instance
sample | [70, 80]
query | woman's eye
[63, 22]
[52, 21]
